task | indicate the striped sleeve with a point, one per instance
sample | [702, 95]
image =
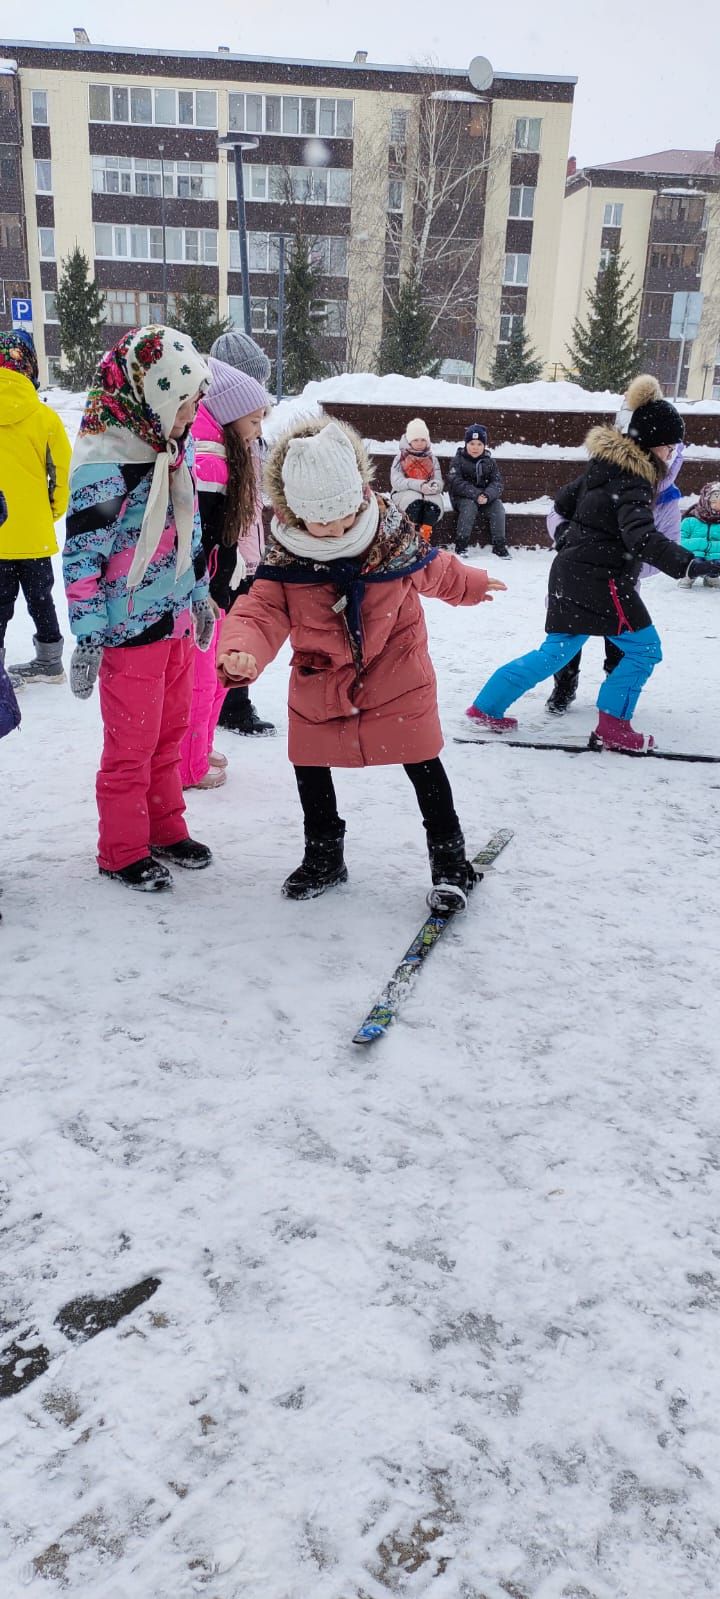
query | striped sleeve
[97, 494]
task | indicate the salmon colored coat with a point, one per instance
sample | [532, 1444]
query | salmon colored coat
[386, 713]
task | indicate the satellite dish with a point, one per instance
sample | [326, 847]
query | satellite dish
[480, 72]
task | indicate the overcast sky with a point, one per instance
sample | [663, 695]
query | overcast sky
[647, 70]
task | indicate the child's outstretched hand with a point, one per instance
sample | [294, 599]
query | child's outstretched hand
[494, 583]
[237, 664]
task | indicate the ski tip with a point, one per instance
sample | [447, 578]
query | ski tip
[368, 1034]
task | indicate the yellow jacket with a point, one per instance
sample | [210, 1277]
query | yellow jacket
[34, 467]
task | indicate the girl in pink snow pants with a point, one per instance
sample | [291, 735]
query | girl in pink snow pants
[225, 431]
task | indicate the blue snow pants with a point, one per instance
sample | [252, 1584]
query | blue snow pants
[619, 693]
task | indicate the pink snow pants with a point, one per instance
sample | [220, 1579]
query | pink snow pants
[145, 695]
[207, 698]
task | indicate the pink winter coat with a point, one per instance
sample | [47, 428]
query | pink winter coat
[382, 714]
[212, 475]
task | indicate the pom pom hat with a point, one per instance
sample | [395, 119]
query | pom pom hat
[417, 429]
[476, 431]
[321, 477]
[654, 420]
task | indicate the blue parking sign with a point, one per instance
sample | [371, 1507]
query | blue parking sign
[21, 312]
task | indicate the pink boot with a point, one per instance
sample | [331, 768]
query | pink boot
[494, 724]
[613, 733]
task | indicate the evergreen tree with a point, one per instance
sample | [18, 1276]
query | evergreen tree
[606, 352]
[405, 343]
[196, 314]
[516, 362]
[80, 311]
[302, 361]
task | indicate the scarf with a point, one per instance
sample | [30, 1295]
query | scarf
[130, 410]
[703, 509]
[354, 542]
[395, 550]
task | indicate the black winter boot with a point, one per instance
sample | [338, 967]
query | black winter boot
[452, 874]
[187, 852]
[564, 689]
[147, 876]
[323, 865]
[238, 715]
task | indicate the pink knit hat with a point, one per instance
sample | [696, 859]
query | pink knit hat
[232, 393]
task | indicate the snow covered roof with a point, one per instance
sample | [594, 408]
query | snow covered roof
[689, 163]
[7, 66]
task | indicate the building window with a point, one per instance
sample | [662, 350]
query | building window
[527, 133]
[38, 101]
[396, 195]
[263, 313]
[50, 300]
[685, 258]
[295, 185]
[329, 255]
[606, 256]
[165, 108]
[11, 235]
[681, 208]
[509, 324]
[522, 202]
[127, 244]
[183, 180]
[43, 177]
[46, 243]
[135, 308]
[9, 173]
[196, 245]
[329, 317]
[612, 216]
[290, 114]
[398, 127]
[517, 269]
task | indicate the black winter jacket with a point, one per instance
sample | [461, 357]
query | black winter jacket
[609, 532]
[468, 478]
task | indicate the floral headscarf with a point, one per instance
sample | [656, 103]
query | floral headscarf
[17, 354]
[129, 414]
[703, 509]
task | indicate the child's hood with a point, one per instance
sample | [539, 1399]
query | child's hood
[273, 478]
[406, 448]
[18, 398]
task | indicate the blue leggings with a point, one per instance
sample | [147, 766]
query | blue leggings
[619, 693]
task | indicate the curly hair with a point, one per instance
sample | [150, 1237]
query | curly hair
[241, 497]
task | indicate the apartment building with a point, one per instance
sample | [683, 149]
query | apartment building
[117, 151]
[663, 211]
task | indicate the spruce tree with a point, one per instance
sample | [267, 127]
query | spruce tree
[405, 343]
[196, 314]
[515, 362]
[302, 361]
[606, 352]
[80, 312]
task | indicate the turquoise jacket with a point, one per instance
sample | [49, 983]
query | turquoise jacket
[703, 538]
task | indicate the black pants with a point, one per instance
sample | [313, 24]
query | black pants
[429, 780]
[36, 579]
[567, 680]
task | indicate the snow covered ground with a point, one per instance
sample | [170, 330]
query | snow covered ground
[439, 1318]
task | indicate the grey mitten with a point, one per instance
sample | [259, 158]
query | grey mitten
[84, 667]
[204, 619]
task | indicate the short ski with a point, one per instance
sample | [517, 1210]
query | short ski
[384, 1012]
[586, 747]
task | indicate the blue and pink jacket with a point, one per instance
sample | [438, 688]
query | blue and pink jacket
[212, 475]
[107, 505]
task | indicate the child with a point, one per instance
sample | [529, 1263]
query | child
[666, 515]
[228, 422]
[136, 585]
[475, 485]
[700, 532]
[237, 713]
[416, 480]
[610, 531]
[34, 461]
[343, 576]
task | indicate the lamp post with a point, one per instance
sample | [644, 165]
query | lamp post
[280, 351]
[161, 149]
[238, 146]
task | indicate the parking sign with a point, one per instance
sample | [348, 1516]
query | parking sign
[21, 313]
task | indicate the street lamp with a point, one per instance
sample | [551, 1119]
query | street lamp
[228, 142]
[161, 148]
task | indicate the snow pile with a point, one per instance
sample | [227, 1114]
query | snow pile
[366, 388]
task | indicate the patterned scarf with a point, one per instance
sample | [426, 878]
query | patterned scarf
[130, 410]
[703, 509]
[397, 550]
[17, 354]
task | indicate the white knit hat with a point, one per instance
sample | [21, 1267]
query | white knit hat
[321, 476]
[417, 429]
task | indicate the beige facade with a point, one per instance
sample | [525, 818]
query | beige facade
[580, 254]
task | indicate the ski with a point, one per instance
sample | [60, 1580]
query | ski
[586, 747]
[386, 1008]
